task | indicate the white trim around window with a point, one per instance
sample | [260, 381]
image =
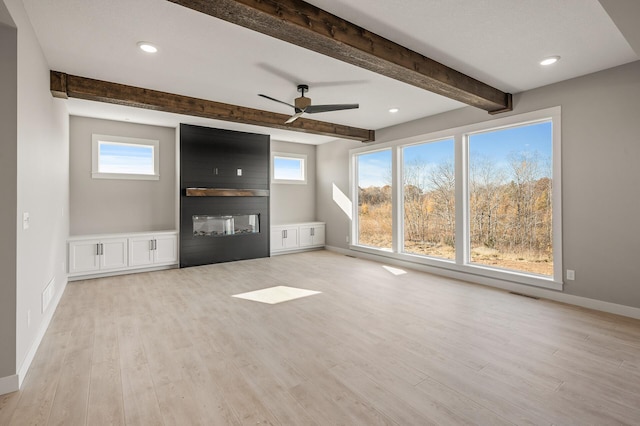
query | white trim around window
[131, 158]
[295, 175]
[462, 263]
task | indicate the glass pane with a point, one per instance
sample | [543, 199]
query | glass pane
[125, 158]
[429, 199]
[288, 168]
[374, 200]
[220, 226]
[510, 181]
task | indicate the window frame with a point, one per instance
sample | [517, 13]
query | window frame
[401, 189]
[289, 156]
[95, 157]
[462, 263]
[356, 197]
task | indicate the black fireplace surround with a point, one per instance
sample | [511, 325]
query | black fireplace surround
[224, 195]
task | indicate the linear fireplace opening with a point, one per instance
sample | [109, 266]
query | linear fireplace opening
[225, 225]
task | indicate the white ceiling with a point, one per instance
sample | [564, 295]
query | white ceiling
[499, 42]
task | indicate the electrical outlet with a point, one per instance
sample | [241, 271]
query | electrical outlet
[25, 220]
[347, 238]
[571, 274]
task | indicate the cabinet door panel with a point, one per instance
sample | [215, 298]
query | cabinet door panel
[292, 238]
[140, 252]
[306, 239]
[277, 241]
[318, 235]
[83, 256]
[166, 249]
[114, 254]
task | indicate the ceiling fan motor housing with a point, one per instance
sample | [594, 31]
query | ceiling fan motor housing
[302, 102]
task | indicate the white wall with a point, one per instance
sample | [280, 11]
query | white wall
[600, 177]
[291, 203]
[8, 185]
[42, 191]
[115, 205]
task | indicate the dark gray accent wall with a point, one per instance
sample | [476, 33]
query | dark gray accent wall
[211, 158]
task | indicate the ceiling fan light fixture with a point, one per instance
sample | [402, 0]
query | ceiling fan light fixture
[550, 60]
[147, 47]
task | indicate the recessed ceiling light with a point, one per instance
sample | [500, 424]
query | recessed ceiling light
[147, 47]
[550, 60]
[393, 110]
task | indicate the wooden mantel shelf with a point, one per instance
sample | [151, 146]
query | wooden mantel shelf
[225, 192]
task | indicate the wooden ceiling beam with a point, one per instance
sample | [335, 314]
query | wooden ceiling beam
[70, 86]
[305, 25]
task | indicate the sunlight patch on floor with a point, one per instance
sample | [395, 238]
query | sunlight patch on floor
[394, 271]
[276, 294]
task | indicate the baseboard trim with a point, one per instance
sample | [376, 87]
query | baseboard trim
[598, 305]
[24, 368]
[9, 384]
[295, 250]
[122, 272]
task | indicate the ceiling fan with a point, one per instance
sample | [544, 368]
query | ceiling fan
[303, 105]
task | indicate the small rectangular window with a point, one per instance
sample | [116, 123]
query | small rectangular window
[289, 168]
[117, 157]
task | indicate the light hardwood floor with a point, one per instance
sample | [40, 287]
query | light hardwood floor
[174, 348]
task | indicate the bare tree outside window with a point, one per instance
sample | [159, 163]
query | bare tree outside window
[510, 209]
[429, 199]
[375, 221]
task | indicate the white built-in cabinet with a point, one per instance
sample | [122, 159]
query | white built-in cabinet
[284, 238]
[97, 254]
[153, 249]
[297, 237]
[107, 254]
[312, 235]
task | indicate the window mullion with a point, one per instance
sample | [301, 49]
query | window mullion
[396, 199]
[462, 223]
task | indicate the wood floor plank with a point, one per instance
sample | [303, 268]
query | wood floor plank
[39, 387]
[106, 405]
[140, 402]
[8, 405]
[173, 347]
[71, 401]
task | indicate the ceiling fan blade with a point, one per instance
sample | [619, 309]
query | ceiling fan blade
[294, 117]
[276, 100]
[326, 108]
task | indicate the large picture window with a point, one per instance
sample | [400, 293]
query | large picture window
[510, 206]
[482, 199]
[375, 220]
[429, 199]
